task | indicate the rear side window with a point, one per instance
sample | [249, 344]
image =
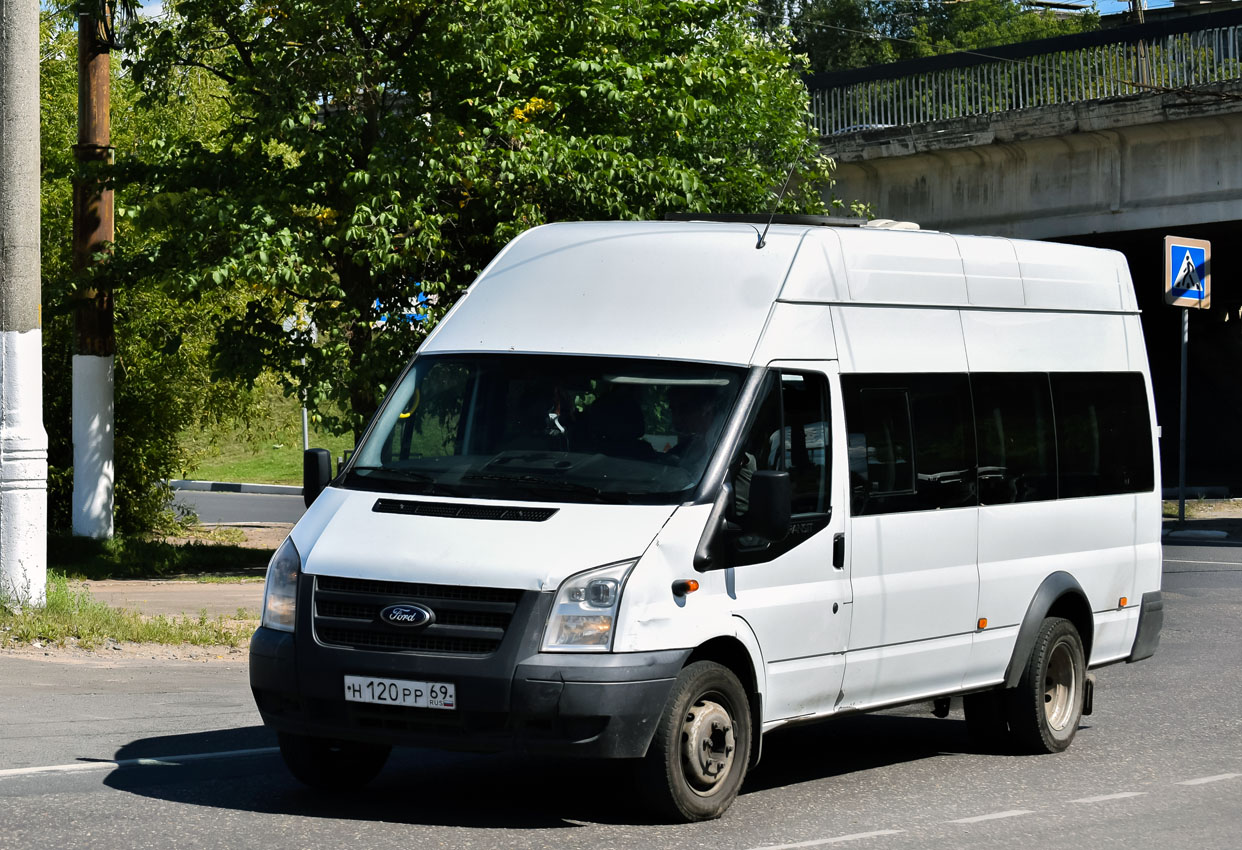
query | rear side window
[911, 442]
[1017, 439]
[1103, 434]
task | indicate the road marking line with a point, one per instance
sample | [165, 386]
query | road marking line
[1203, 780]
[1119, 796]
[159, 761]
[994, 816]
[822, 841]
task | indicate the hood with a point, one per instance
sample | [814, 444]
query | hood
[342, 535]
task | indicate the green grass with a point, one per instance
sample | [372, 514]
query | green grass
[74, 616]
[1194, 508]
[132, 557]
[267, 449]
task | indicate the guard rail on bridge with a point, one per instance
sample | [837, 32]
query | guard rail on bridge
[1157, 56]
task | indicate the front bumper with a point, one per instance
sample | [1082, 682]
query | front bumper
[515, 699]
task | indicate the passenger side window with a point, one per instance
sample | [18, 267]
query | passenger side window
[806, 440]
[881, 446]
[790, 432]
[1017, 440]
[1103, 434]
[911, 442]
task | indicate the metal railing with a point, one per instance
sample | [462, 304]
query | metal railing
[1157, 56]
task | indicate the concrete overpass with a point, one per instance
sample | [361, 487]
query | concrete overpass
[1112, 139]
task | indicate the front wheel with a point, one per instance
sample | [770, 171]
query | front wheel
[698, 757]
[1046, 707]
[329, 765]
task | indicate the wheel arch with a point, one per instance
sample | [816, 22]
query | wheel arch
[1058, 595]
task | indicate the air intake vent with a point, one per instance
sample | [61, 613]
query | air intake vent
[457, 511]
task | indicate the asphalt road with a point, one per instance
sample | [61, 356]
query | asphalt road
[1159, 765]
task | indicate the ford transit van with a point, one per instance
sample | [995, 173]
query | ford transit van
[650, 492]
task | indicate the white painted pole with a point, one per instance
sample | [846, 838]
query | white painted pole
[93, 473]
[23, 442]
[305, 419]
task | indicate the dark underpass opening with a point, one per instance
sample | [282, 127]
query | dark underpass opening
[1214, 396]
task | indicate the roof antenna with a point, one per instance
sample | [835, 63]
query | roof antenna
[797, 158]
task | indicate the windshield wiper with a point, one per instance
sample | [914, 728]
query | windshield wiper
[433, 487]
[408, 474]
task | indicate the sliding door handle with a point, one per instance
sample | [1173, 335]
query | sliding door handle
[838, 552]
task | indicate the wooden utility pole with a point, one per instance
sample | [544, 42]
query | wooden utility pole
[95, 339]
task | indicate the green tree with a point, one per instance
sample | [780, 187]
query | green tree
[163, 366]
[840, 34]
[378, 155]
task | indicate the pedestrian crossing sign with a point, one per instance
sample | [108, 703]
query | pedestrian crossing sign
[1187, 272]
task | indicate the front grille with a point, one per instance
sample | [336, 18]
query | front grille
[469, 620]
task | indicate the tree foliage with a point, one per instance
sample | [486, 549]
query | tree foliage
[841, 34]
[376, 156]
[163, 379]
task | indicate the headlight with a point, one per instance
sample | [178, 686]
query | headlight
[280, 594]
[586, 609]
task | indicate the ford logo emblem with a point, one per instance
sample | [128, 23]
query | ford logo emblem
[408, 616]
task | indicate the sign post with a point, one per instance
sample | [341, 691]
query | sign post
[1187, 284]
[294, 325]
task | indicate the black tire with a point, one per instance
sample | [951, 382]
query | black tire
[329, 765]
[1046, 707]
[987, 722]
[701, 749]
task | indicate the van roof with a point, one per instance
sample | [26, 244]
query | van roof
[701, 290]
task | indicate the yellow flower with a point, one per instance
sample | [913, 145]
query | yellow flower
[532, 107]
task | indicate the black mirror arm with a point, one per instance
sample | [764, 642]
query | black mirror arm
[706, 554]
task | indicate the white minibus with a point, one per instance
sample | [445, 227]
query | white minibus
[652, 490]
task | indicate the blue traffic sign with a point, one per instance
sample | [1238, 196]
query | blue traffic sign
[1187, 271]
[1190, 264]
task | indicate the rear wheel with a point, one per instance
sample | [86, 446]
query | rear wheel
[330, 765]
[1046, 707]
[698, 757]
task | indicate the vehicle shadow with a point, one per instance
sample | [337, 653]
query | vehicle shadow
[857, 743]
[427, 787]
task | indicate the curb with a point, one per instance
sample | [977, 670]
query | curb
[232, 487]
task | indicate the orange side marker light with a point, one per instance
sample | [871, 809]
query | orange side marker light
[1121, 603]
[983, 623]
[684, 586]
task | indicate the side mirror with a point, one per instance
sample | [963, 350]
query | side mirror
[316, 473]
[768, 512]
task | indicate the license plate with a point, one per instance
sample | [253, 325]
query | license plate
[400, 692]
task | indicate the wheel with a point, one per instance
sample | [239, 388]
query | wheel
[698, 757]
[330, 765]
[986, 721]
[1045, 708]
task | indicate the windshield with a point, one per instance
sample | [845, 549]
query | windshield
[553, 428]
